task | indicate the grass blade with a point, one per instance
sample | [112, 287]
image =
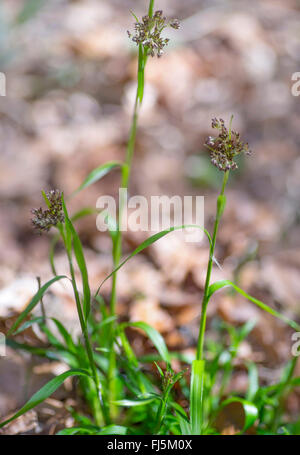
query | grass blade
[196, 400]
[45, 392]
[98, 174]
[223, 283]
[149, 242]
[154, 336]
[28, 324]
[134, 403]
[113, 429]
[66, 336]
[250, 410]
[34, 301]
[78, 251]
[86, 211]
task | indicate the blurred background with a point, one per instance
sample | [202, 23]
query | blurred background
[70, 73]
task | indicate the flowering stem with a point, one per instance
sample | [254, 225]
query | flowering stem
[220, 209]
[151, 7]
[117, 253]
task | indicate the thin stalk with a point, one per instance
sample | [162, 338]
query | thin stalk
[42, 302]
[151, 8]
[198, 365]
[220, 208]
[162, 411]
[99, 407]
[117, 248]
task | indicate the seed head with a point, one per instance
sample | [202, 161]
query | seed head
[225, 147]
[43, 220]
[147, 32]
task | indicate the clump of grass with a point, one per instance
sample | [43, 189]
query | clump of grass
[123, 397]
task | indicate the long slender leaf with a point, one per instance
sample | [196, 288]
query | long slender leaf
[98, 174]
[65, 334]
[112, 429]
[149, 242]
[28, 324]
[77, 430]
[45, 392]
[250, 410]
[223, 283]
[253, 385]
[197, 384]
[78, 251]
[154, 336]
[134, 403]
[34, 301]
[86, 211]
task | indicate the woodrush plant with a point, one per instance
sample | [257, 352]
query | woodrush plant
[111, 376]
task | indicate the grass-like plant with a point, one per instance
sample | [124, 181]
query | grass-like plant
[124, 398]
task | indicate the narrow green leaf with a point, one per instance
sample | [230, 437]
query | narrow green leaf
[112, 429]
[253, 379]
[250, 410]
[86, 211]
[98, 174]
[223, 283]
[106, 321]
[53, 340]
[197, 384]
[45, 392]
[77, 430]
[135, 17]
[28, 324]
[134, 403]
[65, 334]
[149, 242]
[127, 348]
[60, 355]
[159, 370]
[34, 301]
[79, 255]
[185, 427]
[154, 336]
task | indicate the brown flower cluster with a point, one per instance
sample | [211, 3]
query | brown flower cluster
[43, 220]
[225, 147]
[147, 32]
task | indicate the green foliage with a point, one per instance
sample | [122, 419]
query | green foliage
[124, 395]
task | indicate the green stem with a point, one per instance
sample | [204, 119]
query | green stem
[162, 411]
[42, 302]
[198, 365]
[117, 248]
[220, 208]
[151, 8]
[99, 407]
